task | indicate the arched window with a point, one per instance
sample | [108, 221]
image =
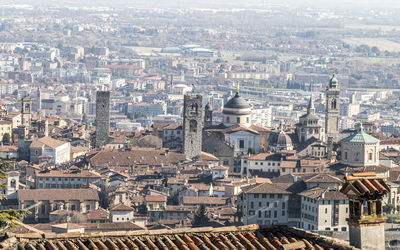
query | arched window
[27, 108]
[193, 109]
[13, 183]
[193, 126]
[333, 104]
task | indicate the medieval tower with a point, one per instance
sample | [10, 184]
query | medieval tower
[26, 112]
[102, 118]
[208, 116]
[192, 125]
[332, 109]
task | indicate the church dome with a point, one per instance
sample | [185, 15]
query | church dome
[237, 102]
[283, 141]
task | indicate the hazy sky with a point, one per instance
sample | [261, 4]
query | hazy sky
[328, 4]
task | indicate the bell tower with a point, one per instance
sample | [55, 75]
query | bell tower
[192, 125]
[366, 222]
[26, 112]
[332, 108]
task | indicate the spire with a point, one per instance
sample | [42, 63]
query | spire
[311, 108]
[361, 128]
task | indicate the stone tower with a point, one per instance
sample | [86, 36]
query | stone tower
[332, 109]
[43, 128]
[366, 222]
[102, 118]
[26, 112]
[192, 125]
[208, 116]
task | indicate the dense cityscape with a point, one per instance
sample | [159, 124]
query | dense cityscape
[192, 126]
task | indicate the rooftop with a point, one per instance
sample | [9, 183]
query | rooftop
[360, 136]
[243, 237]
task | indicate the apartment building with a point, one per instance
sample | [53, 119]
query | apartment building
[324, 209]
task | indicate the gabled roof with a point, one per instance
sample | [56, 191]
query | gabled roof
[121, 207]
[47, 142]
[238, 127]
[265, 188]
[365, 184]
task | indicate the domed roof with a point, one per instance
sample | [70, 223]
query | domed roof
[360, 137]
[237, 102]
[333, 82]
[283, 140]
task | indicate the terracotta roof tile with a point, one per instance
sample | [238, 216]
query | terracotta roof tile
[244, 237]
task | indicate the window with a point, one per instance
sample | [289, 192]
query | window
[283, 213]
[193, 126]
[193, 109]
[283, 205]
[72, 207]
[345, 155]
[271, 196]
[264, 196]
[241, 144]
[259, 214]
[238, 119]
[251, 212]
[256, 196]
[247, 119]
[251, 204]
[227, 119]
[275, 204]
[87, 207]
[326, 210]
[370, 156]
[43, 209]
[259, 204]
[267, 204]
[279, 196]
[275, 214]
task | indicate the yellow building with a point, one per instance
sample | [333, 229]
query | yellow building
[5, 128]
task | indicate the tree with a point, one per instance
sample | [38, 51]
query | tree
[6, 138]
[251, 150]
[200, 217]
[8, 218]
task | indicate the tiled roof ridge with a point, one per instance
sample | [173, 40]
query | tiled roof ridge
[144, 237]
[161, 232]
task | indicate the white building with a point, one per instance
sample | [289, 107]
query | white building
[121, 213]
[264, 204]
[262, 117]
[360, 149]
[58, 151]
[324, 209]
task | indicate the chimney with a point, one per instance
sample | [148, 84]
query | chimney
[365, 192]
